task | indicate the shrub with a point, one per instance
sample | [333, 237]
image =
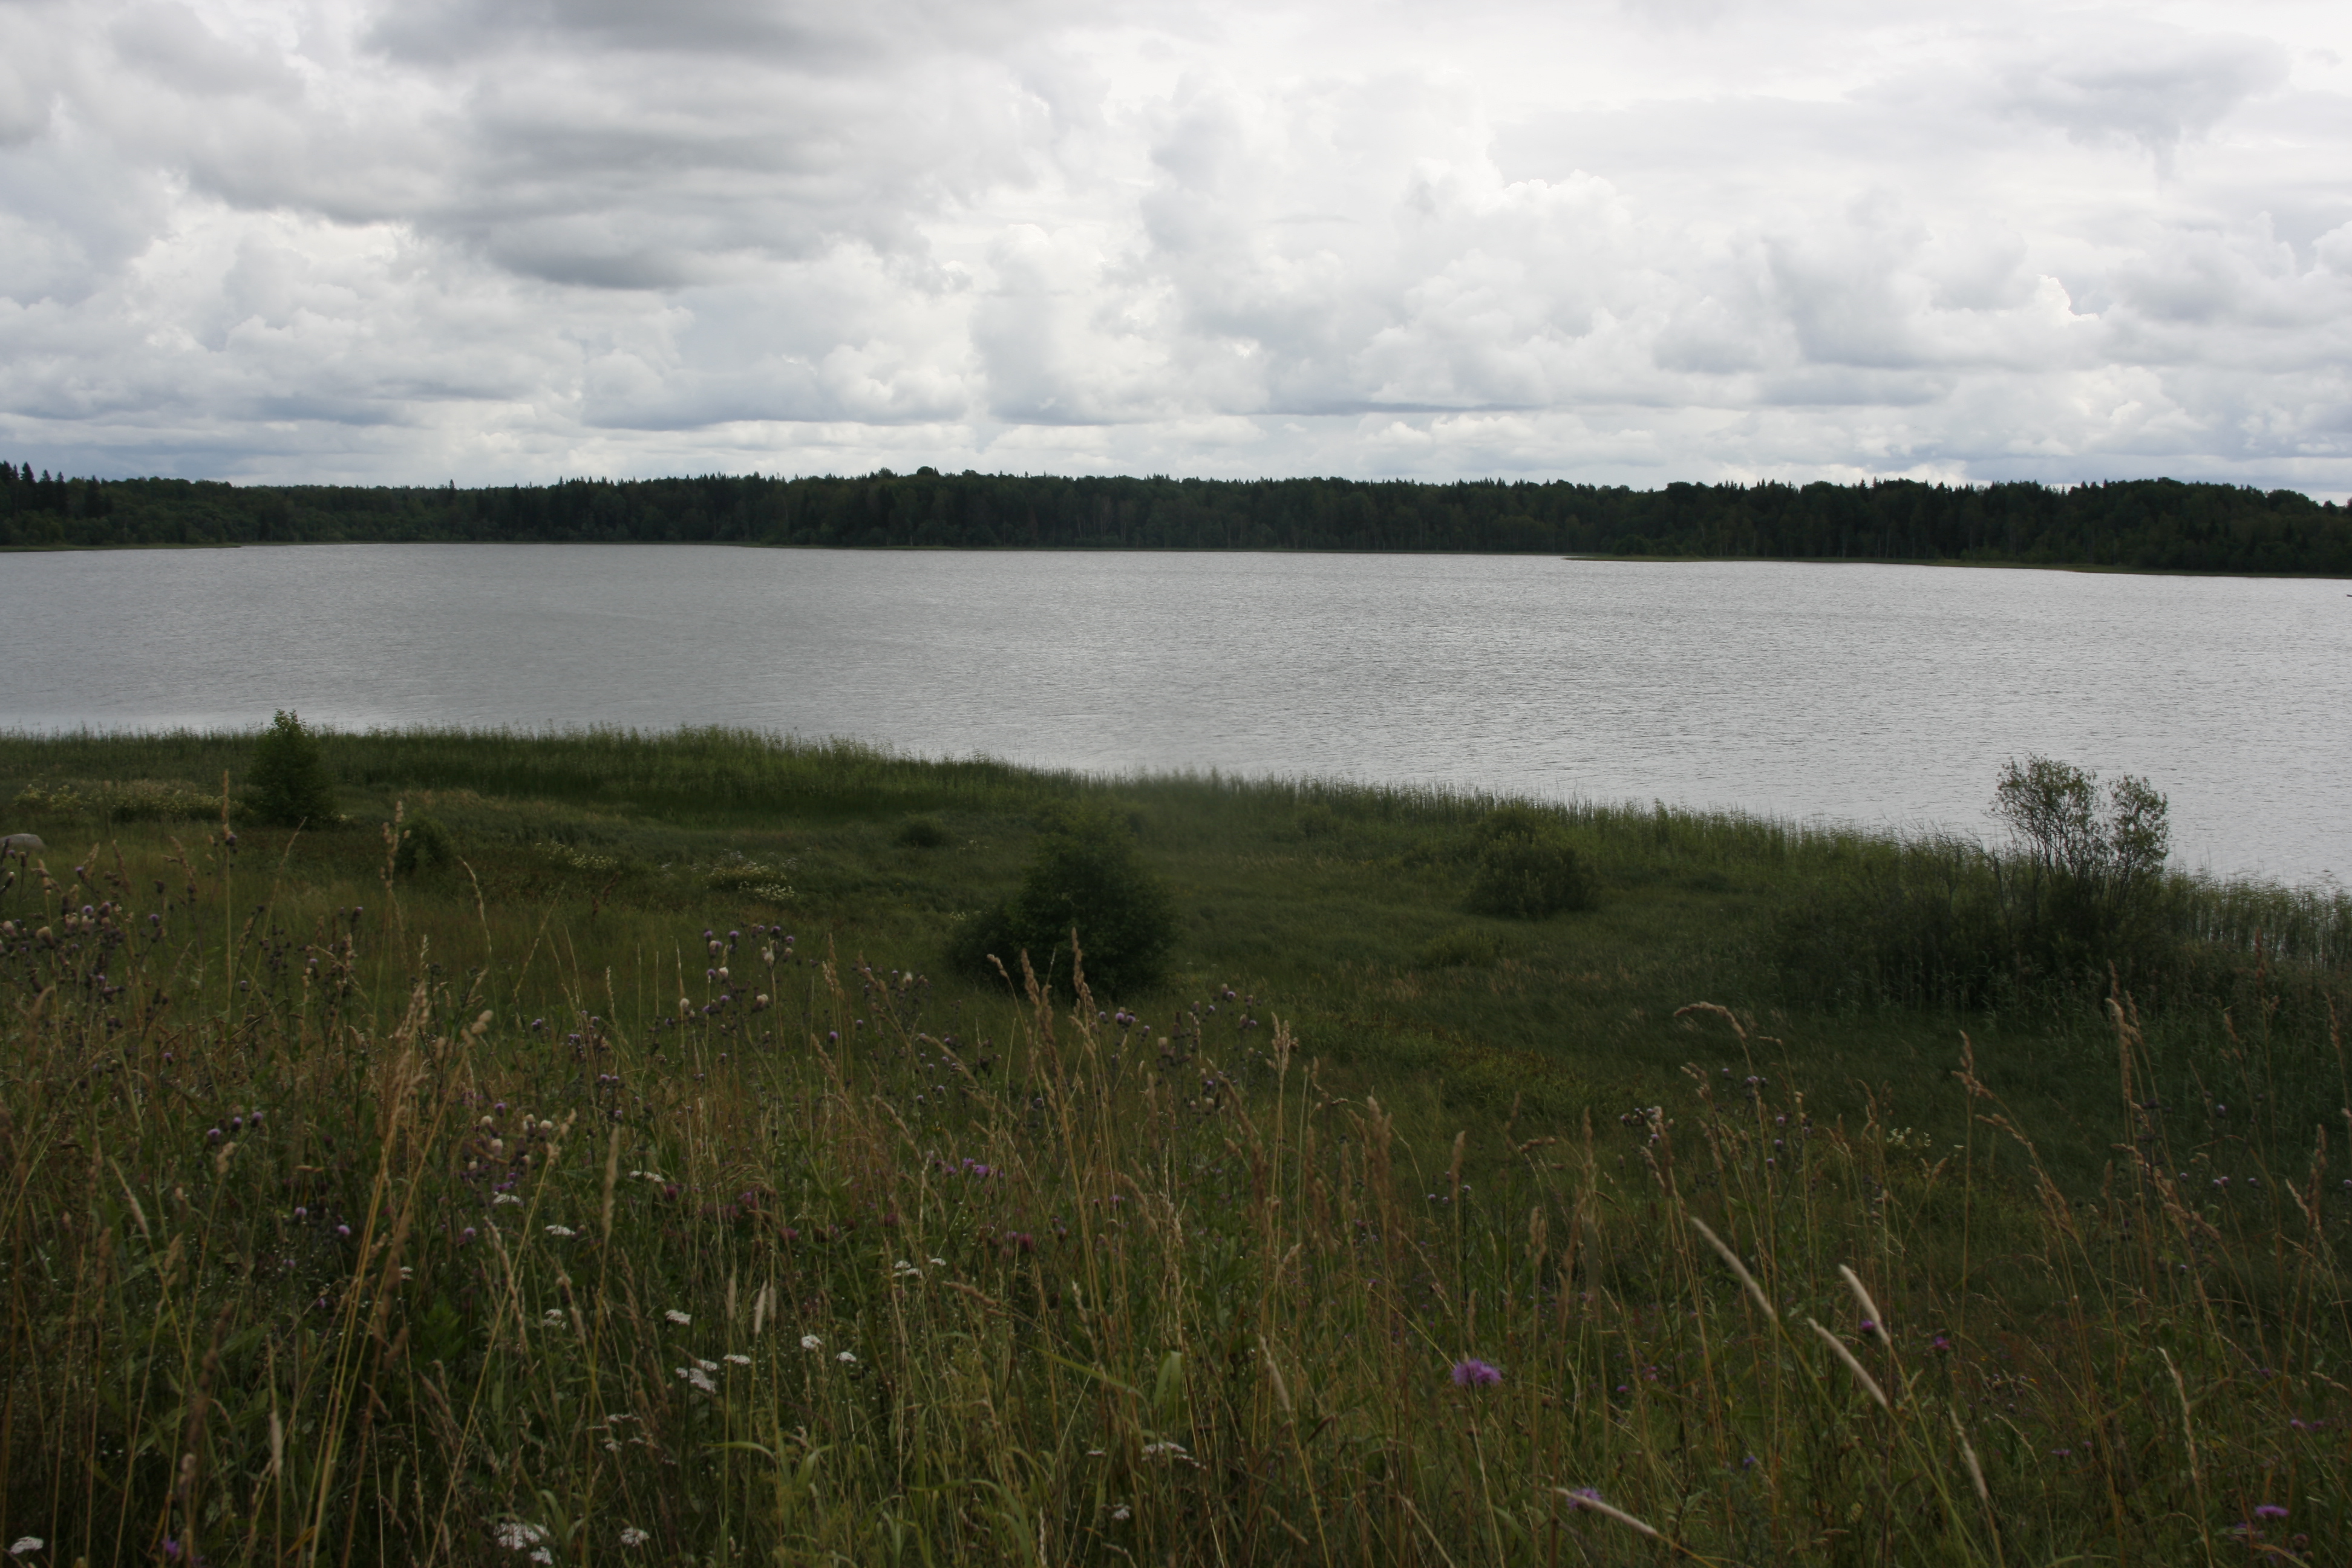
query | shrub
[920, 832]
[287, 783]
[1086, 875]
[423, 844]
[1527, 868]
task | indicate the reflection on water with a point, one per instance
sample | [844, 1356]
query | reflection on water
[1879, 694]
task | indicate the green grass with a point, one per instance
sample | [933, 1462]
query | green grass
[1359, 1136]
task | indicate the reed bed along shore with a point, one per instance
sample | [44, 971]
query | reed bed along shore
[357, 1215]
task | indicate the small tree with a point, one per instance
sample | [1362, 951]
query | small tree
[287, 783]
[1527, 868]
[2090, 901]
[1087, 876]
[2111, 837]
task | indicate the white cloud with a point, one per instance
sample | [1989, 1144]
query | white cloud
[500, 239]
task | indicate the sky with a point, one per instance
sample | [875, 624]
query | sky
[1625, 242]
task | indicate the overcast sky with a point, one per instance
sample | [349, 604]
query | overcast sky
[1629, 241]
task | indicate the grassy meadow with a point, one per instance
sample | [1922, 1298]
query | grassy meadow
[624, 1174]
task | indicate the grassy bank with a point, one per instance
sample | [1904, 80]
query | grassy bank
[547, 1192]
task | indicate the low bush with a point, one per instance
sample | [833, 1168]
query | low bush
[425, 844]
[1527, 868]
[920, 832]
[287, 783]
[1086, 875]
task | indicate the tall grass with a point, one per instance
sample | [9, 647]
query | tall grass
[320, 1248]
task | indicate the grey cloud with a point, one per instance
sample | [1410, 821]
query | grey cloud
[498, 239]
[170, 44]
[2150, 88]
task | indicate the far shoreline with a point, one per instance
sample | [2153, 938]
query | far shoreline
[2083, 567]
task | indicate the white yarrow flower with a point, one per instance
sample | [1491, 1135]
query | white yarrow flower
[675, 1316]
[497, 1198]
[25, 1544]
[846, 1359]
[561, 1232]
[517, 1536]
[633, 1536]
[555, 1317]
[698, 1378]
[738, 1360]
[811, 1342]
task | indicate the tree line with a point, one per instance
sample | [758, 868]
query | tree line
[2138, 524]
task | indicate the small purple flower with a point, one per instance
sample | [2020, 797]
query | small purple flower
[1940, 1343]
[1475, 1374]
[2269, 1510]
[467, 1234]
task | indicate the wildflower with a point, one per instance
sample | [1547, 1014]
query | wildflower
[25, 1544]
[517, 1536]
[2269, 1510]
[846, 1358]
[737, 1360]
[698, 1378]
[632, 1536]
[497, 1198]
[1122, 1513]
[811, 1342]
[939, 1263]
[1475, 1374]
[706, 1365]
[675, 1316]
[555, 1316]
[561, 1232]
[1165, 1450]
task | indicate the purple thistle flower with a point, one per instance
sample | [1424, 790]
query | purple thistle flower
[1475, 1374]
[2269, 1510]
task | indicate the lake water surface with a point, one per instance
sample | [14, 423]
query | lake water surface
[1885, 695]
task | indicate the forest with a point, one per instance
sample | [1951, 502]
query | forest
[2148, 525]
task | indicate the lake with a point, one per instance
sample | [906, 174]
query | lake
[1879, 695]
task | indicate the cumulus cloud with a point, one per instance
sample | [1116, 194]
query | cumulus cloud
[1626, 240]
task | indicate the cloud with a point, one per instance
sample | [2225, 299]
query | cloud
[1617, 239]
[2155, 89]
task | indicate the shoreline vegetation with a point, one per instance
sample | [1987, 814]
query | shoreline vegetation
[604, 1147]
[2142, 525]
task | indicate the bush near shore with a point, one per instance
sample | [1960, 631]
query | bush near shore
[637, 1186]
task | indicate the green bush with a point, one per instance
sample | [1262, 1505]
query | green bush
[423, 844]
[1086, 875]
[1527, 868]
[286, 782]
[920, 832]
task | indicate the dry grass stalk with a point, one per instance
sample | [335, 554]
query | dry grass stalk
[1591, 1500]
[1738, 1268]
[1861, 1373]
[1874, 1323]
